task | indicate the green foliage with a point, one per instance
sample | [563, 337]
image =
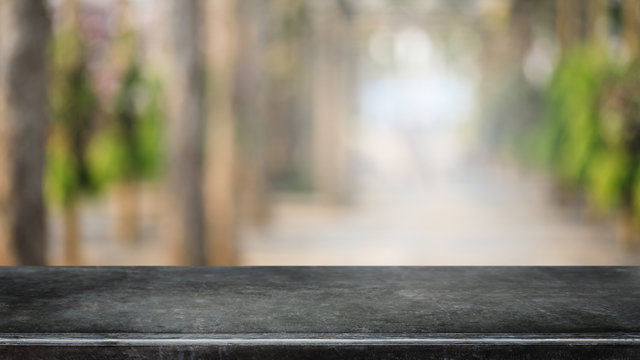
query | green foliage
[570, 134]
[607, 178]
[73, 107]
[61, 182]
[130, 146]
[588, 133]
[620, 130]
[84, 157]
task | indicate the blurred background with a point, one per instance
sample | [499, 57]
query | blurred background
[319, 132]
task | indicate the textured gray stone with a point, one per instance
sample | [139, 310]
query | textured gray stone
[320, 312]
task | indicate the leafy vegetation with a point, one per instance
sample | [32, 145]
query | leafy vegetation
[85, 156]
[74, 110]
[130, 146]
[587, 133]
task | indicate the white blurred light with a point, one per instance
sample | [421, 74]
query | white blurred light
[440, 98]
[380, 47]
[412, 48]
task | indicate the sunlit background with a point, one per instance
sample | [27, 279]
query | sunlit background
[320, 132]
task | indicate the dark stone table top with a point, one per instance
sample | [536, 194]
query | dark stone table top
[366, 304]
[390, 300]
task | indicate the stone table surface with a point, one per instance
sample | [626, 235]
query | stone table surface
[196, 307]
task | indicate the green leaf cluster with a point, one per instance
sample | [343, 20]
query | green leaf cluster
[587, 133]
[91, 146]
[568, 135]
[130, 146]
[74, 108]
[584, 136]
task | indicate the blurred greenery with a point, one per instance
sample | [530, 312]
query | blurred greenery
[74, 110]
[84, 155]
[587, 133]
[568, 134]
[130, 146]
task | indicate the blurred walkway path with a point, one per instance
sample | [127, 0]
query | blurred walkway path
[421, 200]
[429, 202]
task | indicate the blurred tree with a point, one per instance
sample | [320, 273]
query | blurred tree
[496, 75]
[631, 26]
[623, 100]
[332, 40]
[287, 118]
[127, 122]
[568, 22]
[185, 134]
[74, 110]
[249, 108]
[581, 21]
[597, 24]
[521, 34]
[588, 134]
[570, 128]
[129, 148]
[523, 112]
[614, 172]
[221, 189]
[24, 34]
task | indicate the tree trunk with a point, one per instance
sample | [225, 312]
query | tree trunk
[520, 30]
[124, 57]
[25, 31]
[71, 233]
[331, 39]
[249, 108]
[286, 71]
[127, 212]
[185, 135]
[597, 22]
[221, 190]
[627, 229]
[630, 24]
[568, 23]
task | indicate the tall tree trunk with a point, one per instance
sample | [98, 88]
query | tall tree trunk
[521, 32]
[25, 29]
[627, 227]
[303, 147]
[71, 231]
[568, 22]
[249, 108]
[331, 34]
[221, 190]
[287, 150]
[280, 65]
[125, 57]
[185, 135]
[597, 22]
[127, 211]
[630, 25]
